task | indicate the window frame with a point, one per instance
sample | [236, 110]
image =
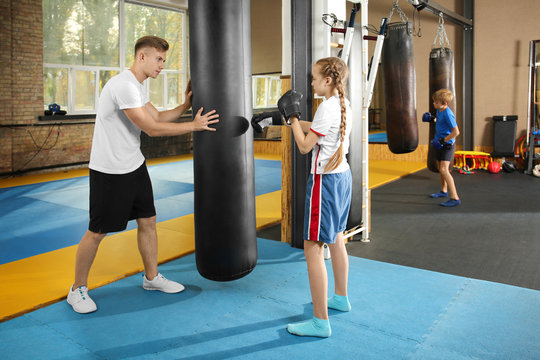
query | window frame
[268, 93]
[72, 69]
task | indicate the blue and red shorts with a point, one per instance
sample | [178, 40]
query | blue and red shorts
[328, 200]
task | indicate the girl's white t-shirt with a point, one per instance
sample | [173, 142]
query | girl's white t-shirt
[326, 123]
[116, 146]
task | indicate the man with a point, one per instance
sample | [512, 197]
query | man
[120, 187]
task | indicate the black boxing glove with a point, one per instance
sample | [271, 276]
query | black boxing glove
[289, 104]
[262, 120]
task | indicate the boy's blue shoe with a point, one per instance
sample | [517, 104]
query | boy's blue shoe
[440, 194]
[451, 202]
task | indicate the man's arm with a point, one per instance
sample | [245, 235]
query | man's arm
[167, 115]
[143, 119]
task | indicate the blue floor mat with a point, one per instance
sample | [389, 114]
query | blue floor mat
[397, 313]
[48, 216]
[379, 137]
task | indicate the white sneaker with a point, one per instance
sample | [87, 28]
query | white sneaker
[80, 301]
[162, 284]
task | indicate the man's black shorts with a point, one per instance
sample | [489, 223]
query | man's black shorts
[117, 198]
[446, 153]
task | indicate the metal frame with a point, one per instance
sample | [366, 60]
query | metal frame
[436, 9]
[363, 92]
[468, 78]
[532, 128]
[365, 122]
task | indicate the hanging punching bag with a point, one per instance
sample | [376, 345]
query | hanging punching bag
[441, 76]
[400, 88]
[223, 163]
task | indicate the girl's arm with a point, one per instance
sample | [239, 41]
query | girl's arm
[305, 142]
[305, 125]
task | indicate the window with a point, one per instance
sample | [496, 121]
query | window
[167, 91]
[86, 42]
[266, 91]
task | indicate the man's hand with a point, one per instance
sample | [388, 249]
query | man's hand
[187, 97]
[202, 122]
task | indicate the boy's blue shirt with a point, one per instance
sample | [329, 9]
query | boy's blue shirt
[446, 121]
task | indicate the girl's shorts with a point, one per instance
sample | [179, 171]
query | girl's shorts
[117, 198]
[328, 200]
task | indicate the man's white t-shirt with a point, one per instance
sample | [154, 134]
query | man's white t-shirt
[116, 146]
[326, 123]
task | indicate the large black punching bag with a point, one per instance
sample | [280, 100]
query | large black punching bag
[441, 76]
[223, 163]
[400, 88]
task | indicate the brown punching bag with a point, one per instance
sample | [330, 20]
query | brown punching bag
[441, 76]
[400, 88]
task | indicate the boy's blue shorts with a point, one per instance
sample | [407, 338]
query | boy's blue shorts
[328, 200]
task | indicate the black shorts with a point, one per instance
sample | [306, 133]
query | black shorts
[117, 198]
[446, 153]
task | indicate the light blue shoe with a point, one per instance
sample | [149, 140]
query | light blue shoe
[315, 327]
[338, 302]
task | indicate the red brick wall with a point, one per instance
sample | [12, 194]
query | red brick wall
[50, 145]
[5, 85]
[27, 60]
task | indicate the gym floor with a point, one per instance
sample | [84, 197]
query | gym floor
[492, 235]
[418, 289]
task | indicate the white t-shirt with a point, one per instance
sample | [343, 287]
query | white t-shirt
[326, 123]
[116, 146]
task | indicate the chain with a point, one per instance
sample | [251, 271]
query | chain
[402, 15]
[441, 34]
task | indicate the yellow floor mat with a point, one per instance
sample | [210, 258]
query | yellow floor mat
[43, 279]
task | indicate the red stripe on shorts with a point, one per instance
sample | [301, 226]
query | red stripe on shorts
[315, 213]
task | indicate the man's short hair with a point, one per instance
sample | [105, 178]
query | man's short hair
[151, 42]
[445, 96]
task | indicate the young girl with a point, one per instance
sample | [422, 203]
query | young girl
[328, 194]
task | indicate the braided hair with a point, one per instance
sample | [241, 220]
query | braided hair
[337, 70]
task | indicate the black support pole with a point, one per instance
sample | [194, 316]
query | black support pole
[300, 81]
[468, 78]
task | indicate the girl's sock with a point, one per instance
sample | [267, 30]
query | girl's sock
[315, 327]
[338, 302]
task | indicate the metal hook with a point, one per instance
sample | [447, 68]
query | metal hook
[441, 18]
